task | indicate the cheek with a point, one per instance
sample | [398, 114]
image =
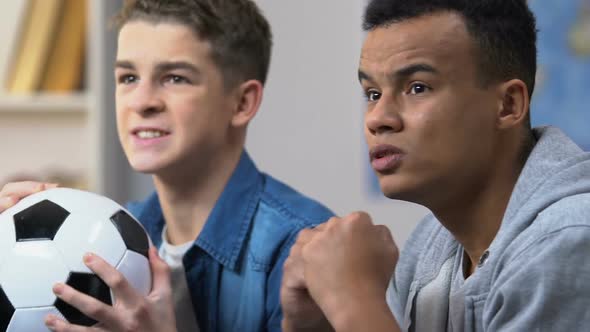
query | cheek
[430, 129]
[184, 113]
[436, 141]
[195, 122]
[366, 131]
[457, 136]
[120, 105]
[121, 125]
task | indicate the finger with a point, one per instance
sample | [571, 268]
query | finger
[385, 233]
[294, 259]
[337, 222]
[57, 324]
[87, 305]
[359, 216]
[321, 226]
[47, 186]
[13, 192]
[122, 291]
[21, 189]
[294, 269]
[160, 273]
[7, 202]
[306, 234]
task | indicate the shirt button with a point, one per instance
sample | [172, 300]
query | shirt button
[484, 257]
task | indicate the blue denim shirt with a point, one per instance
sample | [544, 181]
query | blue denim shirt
[234, 268]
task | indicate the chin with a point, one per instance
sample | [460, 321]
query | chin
[394, 194]
[396, 188]
[144, 170]
[390, 189]
[144, 166]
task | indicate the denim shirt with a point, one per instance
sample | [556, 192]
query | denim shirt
[234, 267]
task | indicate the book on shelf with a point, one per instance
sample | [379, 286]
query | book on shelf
[11, 24]
[63, 72]
[64, 177]
[35, 46]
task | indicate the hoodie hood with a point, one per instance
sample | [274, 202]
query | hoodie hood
[556, 169]
[551, 196]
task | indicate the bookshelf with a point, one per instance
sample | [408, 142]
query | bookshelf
[44, 102]
[45, 135]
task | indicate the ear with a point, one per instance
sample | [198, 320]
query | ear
[514, 104]
[249, 96]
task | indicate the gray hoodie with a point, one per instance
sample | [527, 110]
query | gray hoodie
[537, 274]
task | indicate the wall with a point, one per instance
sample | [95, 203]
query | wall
[309, 131]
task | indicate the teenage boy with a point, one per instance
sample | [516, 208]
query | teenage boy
[448, 86]
[189, 78]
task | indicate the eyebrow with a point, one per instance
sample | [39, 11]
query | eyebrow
[124, 64]
[162, 66]
[402, 73]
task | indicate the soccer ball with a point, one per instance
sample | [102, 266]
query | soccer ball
[42, 241]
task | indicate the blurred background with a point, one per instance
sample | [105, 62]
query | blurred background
[57, 107]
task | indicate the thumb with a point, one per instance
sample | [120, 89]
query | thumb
[160, 272]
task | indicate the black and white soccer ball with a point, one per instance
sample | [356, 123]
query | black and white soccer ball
[43, 239]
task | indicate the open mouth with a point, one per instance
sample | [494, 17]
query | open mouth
[382, 154]
[385, 157]
[150, 133]
[384, 151]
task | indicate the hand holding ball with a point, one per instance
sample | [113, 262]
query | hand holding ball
[42, 241]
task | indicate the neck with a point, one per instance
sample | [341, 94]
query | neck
[476, 221]
[188, 197]
[474, 216]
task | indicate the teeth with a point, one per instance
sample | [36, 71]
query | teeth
[149, 134]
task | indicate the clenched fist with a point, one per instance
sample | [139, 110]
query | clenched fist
[337, 275]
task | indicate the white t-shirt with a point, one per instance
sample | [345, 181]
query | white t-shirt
[440, 305]
[183, 306]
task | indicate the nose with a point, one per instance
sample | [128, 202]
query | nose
[383, 118]
[145, 99]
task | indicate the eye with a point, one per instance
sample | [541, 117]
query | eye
[372, 95]
[418, 88]
[127, 79]
[176, 79]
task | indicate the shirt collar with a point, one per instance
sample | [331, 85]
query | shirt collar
[225, 232]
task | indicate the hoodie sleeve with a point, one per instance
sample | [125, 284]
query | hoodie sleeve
[546, 286]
